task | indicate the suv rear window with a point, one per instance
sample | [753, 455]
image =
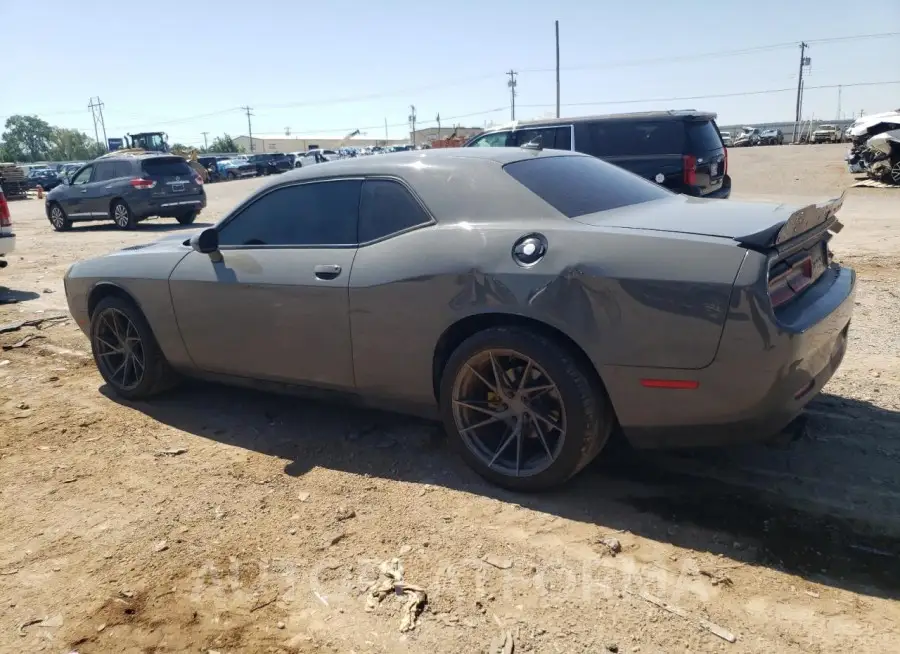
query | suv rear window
[166, 167]
[612, 138]
[576, 186]
[703, 136]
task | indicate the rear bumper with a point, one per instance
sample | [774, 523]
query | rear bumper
[168, 206]
[721, 193]
[766, 370]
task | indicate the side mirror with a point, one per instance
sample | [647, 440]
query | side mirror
[206, 242]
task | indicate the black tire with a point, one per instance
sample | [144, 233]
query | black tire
[232, 176]
[589, 416]
[187, 218]
[59, 221]
[122, 216]
[157, 375]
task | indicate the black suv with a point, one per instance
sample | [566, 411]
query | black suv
[126, 189]
[271, 163]
[681, 150]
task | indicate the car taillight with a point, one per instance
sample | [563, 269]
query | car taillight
[140, 182]
[690, 169]
[786, 281]
[725, 167]
[198, 180]
[5, 220]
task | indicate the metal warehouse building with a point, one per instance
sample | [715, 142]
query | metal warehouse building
[267, 143]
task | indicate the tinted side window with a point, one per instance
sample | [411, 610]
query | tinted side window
[611, 138]
[105, 170]
[83, 177]
[492, 140]
[319, 213]
[123, 169]
[387, 208]
[559, 138]
[576, 185]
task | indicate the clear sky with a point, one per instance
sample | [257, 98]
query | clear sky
[325, 68]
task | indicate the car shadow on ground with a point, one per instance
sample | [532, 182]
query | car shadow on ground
[143, 226]
[705, 501]
[12, 296]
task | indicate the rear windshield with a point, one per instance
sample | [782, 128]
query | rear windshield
[166, 167]
[576, 186]
[611, 138]
[703, 136]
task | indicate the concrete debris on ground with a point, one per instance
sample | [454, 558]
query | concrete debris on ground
[611, 544]
[503, 643]
[172, 451]
[497, 561]
[390, 580]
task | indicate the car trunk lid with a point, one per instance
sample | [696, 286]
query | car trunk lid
[756, 226]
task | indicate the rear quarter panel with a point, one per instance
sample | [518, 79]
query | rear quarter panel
[626, 297]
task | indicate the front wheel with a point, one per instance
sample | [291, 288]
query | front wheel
[126, 352]
[58, 219]
[521, 410]
[122, 215]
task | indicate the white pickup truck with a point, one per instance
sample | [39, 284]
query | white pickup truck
[7, 238]
[826, 134]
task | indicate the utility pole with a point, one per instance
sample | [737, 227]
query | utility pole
[439, 125]
[97, 108]
[385, 131]
[412, 122]
[512, 92]
[839, 102]
[557, 69]
[249, 126]
[205, 144]
[804, 61]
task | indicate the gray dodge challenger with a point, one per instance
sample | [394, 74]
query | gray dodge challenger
[534, 301]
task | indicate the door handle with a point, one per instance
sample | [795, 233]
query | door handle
[327, 271]
[84, 190]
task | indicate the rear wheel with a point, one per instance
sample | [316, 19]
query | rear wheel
[232, 175]
[521, 410]
[187, 218]
[126, 352]
[122, 215]
[58, 219]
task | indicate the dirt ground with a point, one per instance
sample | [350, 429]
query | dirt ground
[221, 520]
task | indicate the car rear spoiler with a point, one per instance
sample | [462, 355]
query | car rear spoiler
[818, 217]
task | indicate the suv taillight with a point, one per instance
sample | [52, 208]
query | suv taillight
[140, 182]
[690, 170]
[725, 169]
[5, 220]
[198, 179]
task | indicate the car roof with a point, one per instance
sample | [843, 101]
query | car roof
[445, 178]
[672, 114]
[397, 161]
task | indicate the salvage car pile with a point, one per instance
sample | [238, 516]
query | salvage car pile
[875, 147]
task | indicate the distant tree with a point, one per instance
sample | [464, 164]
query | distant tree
[27, 137]
[224, 143]
[70, 145]
[179, 146]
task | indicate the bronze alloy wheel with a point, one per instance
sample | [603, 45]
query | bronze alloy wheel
[120, 350]
[509, 413]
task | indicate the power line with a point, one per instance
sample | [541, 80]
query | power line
[710, 96]
[709, 55]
